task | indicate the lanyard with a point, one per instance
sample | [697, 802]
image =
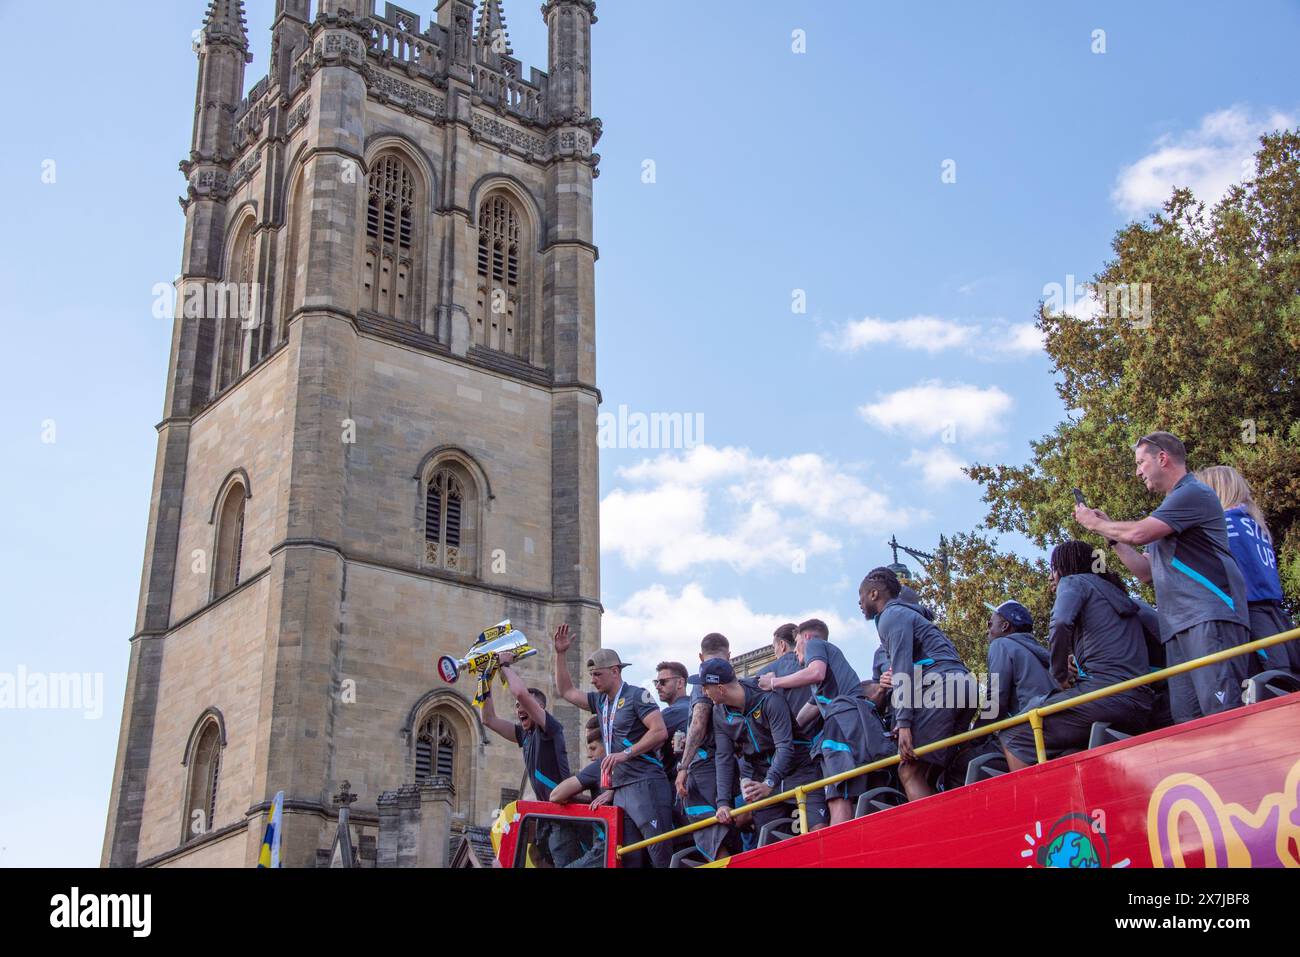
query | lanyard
[607, 713]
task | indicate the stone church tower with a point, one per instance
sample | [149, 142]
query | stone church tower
[379, 433]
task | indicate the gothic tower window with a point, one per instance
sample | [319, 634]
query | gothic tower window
[298, 218]
[390, 238]
[204, 762]
[453, 492]
[444, 518]
[499, 309]
[441, 744]
[435, 749]
[237, 305]
[230, 541]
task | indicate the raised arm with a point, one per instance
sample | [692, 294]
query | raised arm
[1126, 536]
[1135, 561]
[1139, 533]
[563, 683]
[531, 705]
[500, 725]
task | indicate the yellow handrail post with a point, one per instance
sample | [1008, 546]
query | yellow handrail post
[1036, 722]
[801, 797]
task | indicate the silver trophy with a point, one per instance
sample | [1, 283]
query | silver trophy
[483, 657]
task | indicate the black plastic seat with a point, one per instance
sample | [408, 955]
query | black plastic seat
[1269, 684]
[1103, 733]
[687, 857]
[879, 799]
[986, 766]
[778, 830]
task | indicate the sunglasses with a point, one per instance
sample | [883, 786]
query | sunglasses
[664, 681]
[1160, 443]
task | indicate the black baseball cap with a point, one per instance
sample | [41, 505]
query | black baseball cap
[1014, 612]
[715, 671]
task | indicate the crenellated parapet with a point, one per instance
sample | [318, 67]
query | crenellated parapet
[420, 68]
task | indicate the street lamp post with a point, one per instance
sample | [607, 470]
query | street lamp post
[926, 559]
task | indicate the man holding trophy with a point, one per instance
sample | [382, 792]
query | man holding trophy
[633, 730]
[538, 733]
[546, 761]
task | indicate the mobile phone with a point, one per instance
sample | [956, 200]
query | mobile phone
[1078, 497]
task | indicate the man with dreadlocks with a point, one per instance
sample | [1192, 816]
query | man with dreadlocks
[934, 696]
[1096, 640]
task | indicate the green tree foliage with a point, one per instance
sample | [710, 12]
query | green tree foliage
[1215, 364]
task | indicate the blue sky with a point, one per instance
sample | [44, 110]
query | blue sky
[775, 173]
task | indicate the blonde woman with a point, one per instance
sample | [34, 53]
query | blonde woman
[1252, 547]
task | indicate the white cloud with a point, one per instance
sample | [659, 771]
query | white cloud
[729, 506]
[939, 467]
[928, 333]
[656, 625]
[932, 408]
[996, 338]
[1207, 160]
[1021, 339]
[704, 465]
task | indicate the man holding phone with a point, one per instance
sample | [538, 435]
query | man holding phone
[1200, 592]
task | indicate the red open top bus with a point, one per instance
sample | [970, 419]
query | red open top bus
[1221, 791]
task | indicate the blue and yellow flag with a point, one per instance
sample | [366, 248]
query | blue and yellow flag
[270, 854]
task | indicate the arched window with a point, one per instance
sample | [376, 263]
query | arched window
[500, 275]
[444, 522]
[298, 219]
[441, 733]
[204, 777]
[435, 748]
[237, 310]
[390, 238]
[230, 541]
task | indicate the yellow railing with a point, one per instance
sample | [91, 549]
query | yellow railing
[1034, 718]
